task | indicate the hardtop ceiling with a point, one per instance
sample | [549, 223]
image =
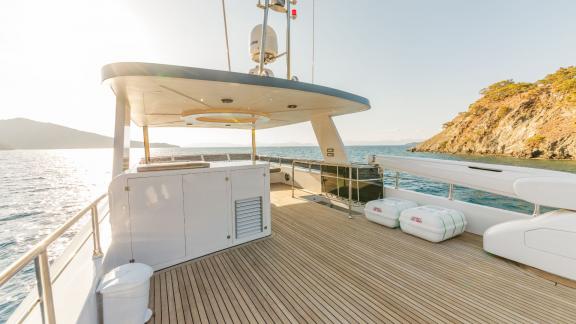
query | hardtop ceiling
[177, 96]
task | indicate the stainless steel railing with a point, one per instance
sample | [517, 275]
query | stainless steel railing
[348, 178]
[39, 254]
[451, 188]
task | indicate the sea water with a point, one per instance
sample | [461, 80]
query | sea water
[41, 189]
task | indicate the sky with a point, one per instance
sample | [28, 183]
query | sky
[419, 62]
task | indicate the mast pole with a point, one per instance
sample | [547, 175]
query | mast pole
[226, 35]
[313, 37]
[263, 37]
[288, 63]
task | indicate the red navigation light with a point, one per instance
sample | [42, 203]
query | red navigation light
[294, 13]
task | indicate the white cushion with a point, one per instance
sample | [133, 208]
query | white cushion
[387, 211]
[432, 223]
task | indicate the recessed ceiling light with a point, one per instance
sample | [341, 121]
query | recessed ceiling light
[292, 106]
[227, 100]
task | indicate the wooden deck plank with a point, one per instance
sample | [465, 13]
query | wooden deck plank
[222, 300]
[268, 301]
[370, 271]
[227, 292]
[184, 295]
[285, 298]
[441, 272]
[245, 301]
[319, 267]
[177, 297]
[197, 306]
[254, 297]
[206, 298]
[331, 294]
[300, 294]
[164, 311]
[172, 304]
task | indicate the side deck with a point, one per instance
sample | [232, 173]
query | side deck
[320, 266]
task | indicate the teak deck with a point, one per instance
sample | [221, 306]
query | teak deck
[320, 266]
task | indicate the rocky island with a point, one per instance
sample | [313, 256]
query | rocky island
[519, 119]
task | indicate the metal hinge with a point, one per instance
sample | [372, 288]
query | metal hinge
[127, 188]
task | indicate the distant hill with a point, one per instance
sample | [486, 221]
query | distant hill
[529, 120]
[22, 133]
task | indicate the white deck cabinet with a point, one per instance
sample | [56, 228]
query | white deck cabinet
[208, 217]
[162, 218]
[157, 218]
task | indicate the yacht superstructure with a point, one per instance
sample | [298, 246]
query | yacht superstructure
[245, 238]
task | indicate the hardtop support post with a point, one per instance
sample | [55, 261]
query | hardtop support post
[146, 144]
[253, 143]
[121, 159]
[329, 140]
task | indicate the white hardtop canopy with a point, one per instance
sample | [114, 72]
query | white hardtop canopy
[177, 96]
[157, 95]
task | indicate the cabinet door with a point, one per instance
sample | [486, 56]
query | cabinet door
[206, 206]
[250, 203]
[157, 220]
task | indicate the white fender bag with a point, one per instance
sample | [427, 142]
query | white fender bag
[433, 223]
[387, 211]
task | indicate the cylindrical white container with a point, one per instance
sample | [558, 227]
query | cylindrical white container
[125, 292]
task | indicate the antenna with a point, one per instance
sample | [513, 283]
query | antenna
[313, 36]
[263, 40]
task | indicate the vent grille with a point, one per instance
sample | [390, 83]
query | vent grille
[248, 217]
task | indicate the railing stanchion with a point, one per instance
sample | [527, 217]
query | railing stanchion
[451, 191]
[39, 255]
[383, 183]
[350, 192]
[292, 179]
[338, 181]
[536, 210]
[97, 253]
[397, 180]
[358, 184]
[321, 180]
[46, 296]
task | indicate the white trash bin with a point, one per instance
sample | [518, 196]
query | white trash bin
[125, 294]
[433, 223]
[387, 211]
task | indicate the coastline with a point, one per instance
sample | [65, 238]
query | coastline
[415, 150]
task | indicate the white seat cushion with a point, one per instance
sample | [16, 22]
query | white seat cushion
[387, 211]
[432, 223]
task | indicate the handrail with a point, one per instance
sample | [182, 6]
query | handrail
[350, 179]
[39, 254]
[451, 188]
